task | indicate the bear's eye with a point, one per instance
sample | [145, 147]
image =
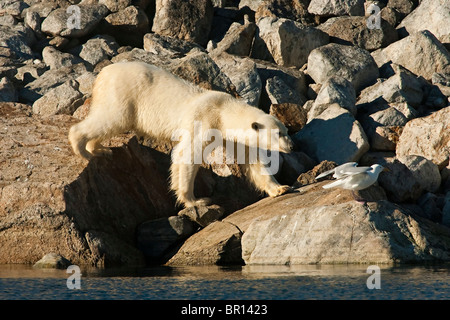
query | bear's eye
[256, 126]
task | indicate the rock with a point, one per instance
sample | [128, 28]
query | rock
[399, 183]
[385, 138]
[403, 86]
[86, 83]
[199, 68]
[309, 177]
[49, 80]
[335, 90]
[33, 20]
[66, 23]
[187, 20]
[56, 59]
[64, 99]
[203, 215]
[293, 164]
[243, 74]
[384, 234]
[116, 5]
[292, 115]
[430, 210]
[424, 171]
[404, 7]
[97, 49]
[279, 92]
[420, 53]
[428, 137]
[336, 7]
[239, 39]
[168, 46]
[390, 15]
[138, 54]
[351, 63]
[429, 15]
[354, 30]
[8, 92]
[155, 238]
[12, 7]
[293, 10]
[52, 201]
[128, 26]
[52, 260]
[288, 42]
[442, 81]
[18, 42]
[295, 79]
[334, 135]
[446, 211]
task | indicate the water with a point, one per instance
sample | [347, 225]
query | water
[19, 282]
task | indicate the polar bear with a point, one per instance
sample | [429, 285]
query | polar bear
[135, 96]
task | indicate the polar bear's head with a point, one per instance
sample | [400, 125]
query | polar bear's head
[272, 134]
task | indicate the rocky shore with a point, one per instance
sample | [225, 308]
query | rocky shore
[350, 85]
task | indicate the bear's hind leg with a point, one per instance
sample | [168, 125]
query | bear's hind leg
[182, 182]
[95, 148]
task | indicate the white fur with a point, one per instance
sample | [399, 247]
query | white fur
[141, 97]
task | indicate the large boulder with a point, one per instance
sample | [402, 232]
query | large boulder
[354, 30]
[333, 135]
[349, 62]
[420, 53]
[53, 201]
[316, 225]
[336, 7]
[288, 42]
[431, 15]
[188, 20]
[428, 137]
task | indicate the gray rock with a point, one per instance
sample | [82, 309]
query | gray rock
[335, 90]
[288, 42]
[12, 7]
[382, 234]
[203, 215]
[420, 53]
[428, 202]
[187, 20]
[116, 5]
[403, 86]
[97, 49]
[165, 46]
[428, 137]
[292, 115]
[429, 15]
[239, 38]
[128, 25]
[7, 90]
[198, 67]
[66, 23]
[442, 81]
[56, 59]
[52, 261]
[18, 41]
[243, 74]
[156, 237]
[354, 30]
[334, 135]
[351, 63]
[385, 138]
[64, 99]
[399, 183]
[33, 20]
[446, 211]
[336, 7]
[425, 171]
[279, 92]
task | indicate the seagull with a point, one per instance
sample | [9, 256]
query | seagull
[338, 171]
[356, 178]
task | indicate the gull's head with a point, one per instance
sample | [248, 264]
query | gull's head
[376, 168]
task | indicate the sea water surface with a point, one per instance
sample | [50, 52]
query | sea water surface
[22, 282]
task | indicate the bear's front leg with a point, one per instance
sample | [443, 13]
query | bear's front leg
[260, 176]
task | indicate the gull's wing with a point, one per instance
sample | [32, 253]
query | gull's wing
[334, 184]
[338, 169]
[350, 171]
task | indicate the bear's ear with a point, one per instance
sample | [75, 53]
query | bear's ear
[256, 126]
